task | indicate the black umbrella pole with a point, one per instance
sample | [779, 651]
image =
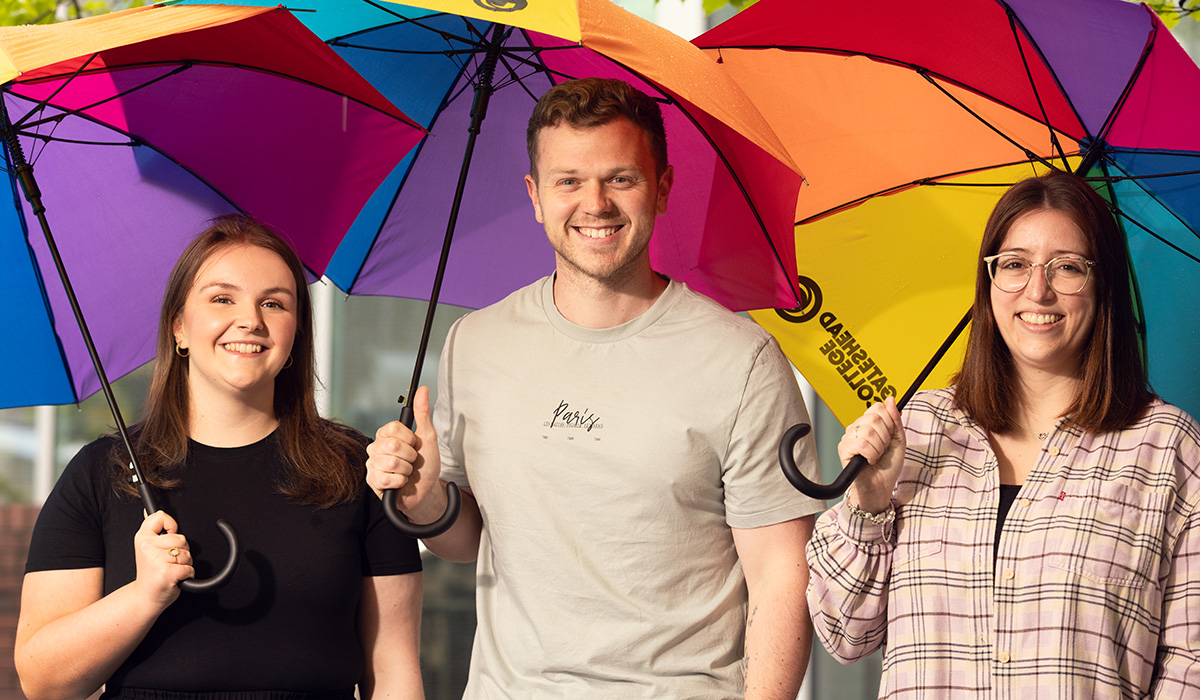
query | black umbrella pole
[24, 172]
[483, 95]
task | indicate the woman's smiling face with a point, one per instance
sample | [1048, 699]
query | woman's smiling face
[1043, 329]
[238, 322]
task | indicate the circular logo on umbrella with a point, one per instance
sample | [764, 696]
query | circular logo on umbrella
[503, 5]
[810, 294]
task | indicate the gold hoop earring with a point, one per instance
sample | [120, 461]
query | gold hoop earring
[289, 362]
[182, 352]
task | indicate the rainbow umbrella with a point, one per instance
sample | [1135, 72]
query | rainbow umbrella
[455, 217]
[913, 119]
[123, 134]
[142, 125]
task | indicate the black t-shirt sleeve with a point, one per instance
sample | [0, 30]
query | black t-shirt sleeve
[386, 552]
[69, 531]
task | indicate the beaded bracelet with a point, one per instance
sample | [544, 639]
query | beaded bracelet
[886, 518]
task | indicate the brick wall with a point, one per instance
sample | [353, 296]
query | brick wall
[16, 523]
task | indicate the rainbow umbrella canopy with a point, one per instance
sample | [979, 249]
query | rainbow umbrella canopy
[727, 232]
[913, 118]
[724, 233]
[141, 125]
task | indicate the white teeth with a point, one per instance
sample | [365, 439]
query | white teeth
[1040, 319]
[243, 347]
[596, 232]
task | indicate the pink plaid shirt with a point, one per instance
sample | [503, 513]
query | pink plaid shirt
[1095, 590]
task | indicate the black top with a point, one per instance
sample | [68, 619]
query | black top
[1008, 494]
[286, 621]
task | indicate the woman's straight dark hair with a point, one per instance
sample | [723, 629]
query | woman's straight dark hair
[324, 461]
[1113, 376]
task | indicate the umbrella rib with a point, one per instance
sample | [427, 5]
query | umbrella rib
[78, 110]
[451, 95]
[1030, 154]
[1013, 23]
[519, 80]
[416, 22]
[82, 67]
[733, 175]
[930, 75]
[1136, 290]
[45, 139]
[534, 62]
[451, 53]
[1169, 244]
[931, 181]
[185, 65]
[531, 60]
[936, 358]
[1125, 215]
[1096, 147]
[1146, 176]
[37, 273]
[137, 142]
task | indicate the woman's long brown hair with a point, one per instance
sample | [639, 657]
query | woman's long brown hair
[323, 461]
[1113, 377]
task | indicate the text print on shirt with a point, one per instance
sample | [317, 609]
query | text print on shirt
[565, 416]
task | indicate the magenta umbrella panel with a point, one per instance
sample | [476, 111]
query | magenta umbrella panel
[140, 126]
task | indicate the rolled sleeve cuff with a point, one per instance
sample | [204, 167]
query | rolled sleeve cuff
[864, 534]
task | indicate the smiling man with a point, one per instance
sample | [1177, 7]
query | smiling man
[615, 437]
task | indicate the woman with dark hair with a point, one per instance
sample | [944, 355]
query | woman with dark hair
[1031, 530]
[327, 597]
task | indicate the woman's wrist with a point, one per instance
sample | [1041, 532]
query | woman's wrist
[870, 503]
[884, 517]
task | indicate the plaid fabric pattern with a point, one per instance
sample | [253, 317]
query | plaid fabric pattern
[1095, 590]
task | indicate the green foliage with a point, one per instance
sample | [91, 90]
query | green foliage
[711, 6]
[44, 11]
[26, 11]
[1171, 11]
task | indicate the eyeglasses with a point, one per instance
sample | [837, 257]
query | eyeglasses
[1066, 274]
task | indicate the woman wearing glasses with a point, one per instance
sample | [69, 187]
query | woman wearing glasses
[1033, 530]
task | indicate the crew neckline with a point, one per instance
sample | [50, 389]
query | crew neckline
[616, 333]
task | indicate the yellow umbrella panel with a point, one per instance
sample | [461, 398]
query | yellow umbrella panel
[886, 285]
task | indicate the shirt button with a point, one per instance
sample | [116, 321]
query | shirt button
[1009, 574]
[1054, 452]
[1003, 657]
[1025, 502]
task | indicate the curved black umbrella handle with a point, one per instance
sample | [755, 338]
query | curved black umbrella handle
[222, 577]
[787, 462]
[235, 547]
[433, 529]
[403, 524]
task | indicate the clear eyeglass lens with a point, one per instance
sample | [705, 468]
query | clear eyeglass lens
[1066, 275]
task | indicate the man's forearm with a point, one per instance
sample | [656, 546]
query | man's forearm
[778, 644]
